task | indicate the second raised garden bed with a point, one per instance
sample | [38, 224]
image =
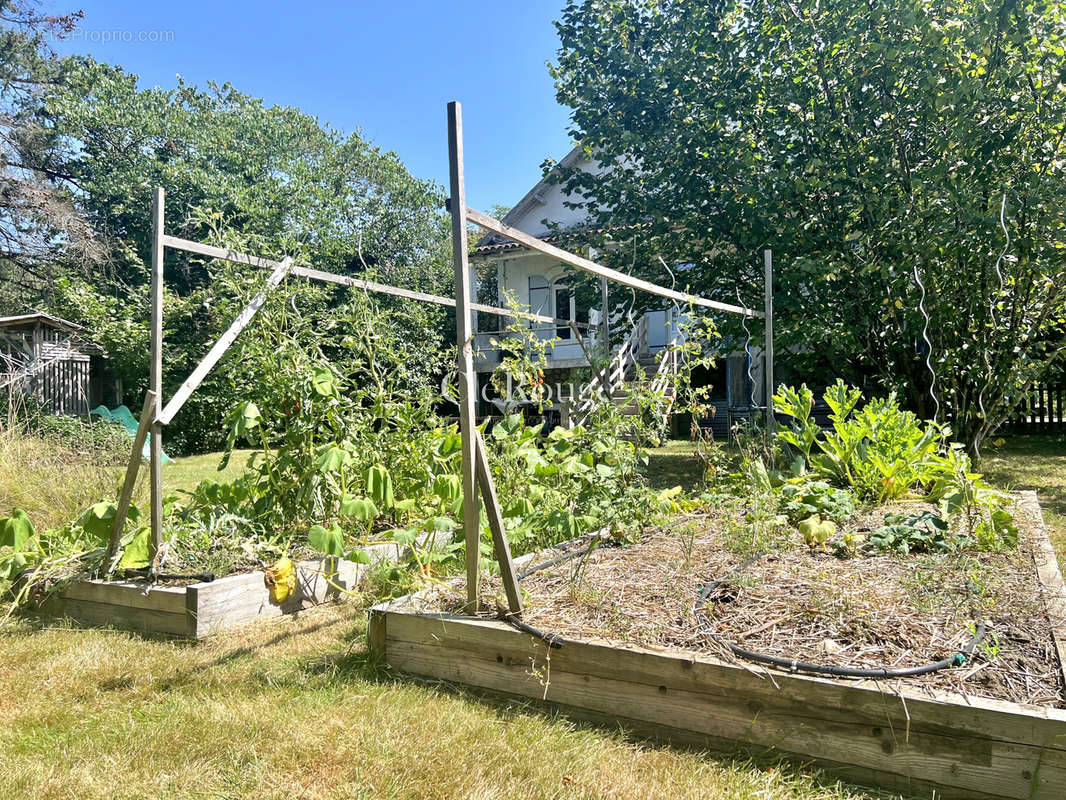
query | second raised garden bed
[904, 736]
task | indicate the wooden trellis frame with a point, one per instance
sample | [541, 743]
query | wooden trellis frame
[461, 214]
[155, 415]
[476, 471]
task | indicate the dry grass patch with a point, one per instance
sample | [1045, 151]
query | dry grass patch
[294, 709]
[50, 482]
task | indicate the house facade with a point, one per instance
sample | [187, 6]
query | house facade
[586, 325]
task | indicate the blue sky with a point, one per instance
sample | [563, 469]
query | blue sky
[385, 68]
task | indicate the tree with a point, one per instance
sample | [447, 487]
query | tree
[898, 155]
[262, 179]
[38, 225]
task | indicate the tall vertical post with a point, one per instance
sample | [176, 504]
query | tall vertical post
[156, 451]
[605, 322]
[457, 206]
[768, 367]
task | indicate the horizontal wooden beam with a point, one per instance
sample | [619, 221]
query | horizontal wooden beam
[533, 243]
[345, 280]
[225, 341]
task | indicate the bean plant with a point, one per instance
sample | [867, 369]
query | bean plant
[345, 458]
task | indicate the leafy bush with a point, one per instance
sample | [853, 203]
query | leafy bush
[916, 533]
[983, 512]
[348, 458]
[33, 562]
[880, 451]
[801, 500]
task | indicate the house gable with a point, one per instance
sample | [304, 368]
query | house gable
[544, 206]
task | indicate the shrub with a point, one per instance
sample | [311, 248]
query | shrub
[880, 451]
[809, 498]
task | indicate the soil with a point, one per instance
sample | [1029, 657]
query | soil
[873, 611]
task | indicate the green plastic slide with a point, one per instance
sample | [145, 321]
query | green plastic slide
[123, 417]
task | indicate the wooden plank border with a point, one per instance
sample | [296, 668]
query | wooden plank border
[202, 609]
[1047, 568]
[904, 740]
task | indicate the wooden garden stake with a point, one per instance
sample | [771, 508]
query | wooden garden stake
[156, 388]
[223, 344]
[457, 206]
[768, 367]
[132, 468]
[499, 533]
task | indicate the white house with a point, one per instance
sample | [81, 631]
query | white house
[541, 284]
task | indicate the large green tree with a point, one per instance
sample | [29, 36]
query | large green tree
[897, 155]
[39, 228]
[264, 179]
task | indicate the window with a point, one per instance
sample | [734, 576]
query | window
[540, 303]
[562, 309]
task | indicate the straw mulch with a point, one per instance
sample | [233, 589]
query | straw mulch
[873, 611]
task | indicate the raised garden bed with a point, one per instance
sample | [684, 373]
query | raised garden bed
[197, 610]
[938, 732]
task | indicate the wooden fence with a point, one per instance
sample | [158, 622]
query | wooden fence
[1042, 411]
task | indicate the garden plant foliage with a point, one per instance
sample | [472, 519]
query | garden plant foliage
[878, 453]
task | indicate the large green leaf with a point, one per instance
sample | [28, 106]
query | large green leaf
[360, 508]
[16, 530]
[98, 520]
[331, 458]
[379, 486]
[137, 551]
[448, 487]
[520, 507]
[329, 542]
[323, 381]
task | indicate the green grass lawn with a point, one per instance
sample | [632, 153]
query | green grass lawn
[1039, 463]
[293, 709]
[186, 473]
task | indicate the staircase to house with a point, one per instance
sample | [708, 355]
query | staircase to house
[632, 363]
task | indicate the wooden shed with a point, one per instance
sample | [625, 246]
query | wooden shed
[48, 358]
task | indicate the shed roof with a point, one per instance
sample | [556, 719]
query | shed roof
[39, 316]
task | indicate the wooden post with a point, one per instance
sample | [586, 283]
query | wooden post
[156, 387]
[225, 341]
[499, 533]
[768, 366]
[132, 468]
[457, 206]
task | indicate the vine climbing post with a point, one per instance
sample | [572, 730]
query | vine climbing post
[768, 367]
[463, 335]
[156, 388]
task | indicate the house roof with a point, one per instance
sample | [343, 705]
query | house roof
[502, 245]
[531, 199]
[494, 244]
[45, 319]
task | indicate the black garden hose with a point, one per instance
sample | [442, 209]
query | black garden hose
[551, 639]
[795, 665]
[146, 574]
